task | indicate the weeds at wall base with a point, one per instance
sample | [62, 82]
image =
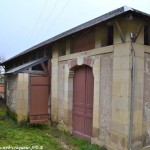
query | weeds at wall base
[12, 114]
[40, 134]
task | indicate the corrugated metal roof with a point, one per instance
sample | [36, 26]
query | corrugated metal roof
[26, 66]
[88, 24]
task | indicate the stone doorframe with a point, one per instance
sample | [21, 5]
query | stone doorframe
[68, 95]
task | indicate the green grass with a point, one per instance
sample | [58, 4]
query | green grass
[11, 134]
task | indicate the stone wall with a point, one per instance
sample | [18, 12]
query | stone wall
[112, 86]
[61, 88]
[146, 107]
[102, 72]
[12, 81]
[112, 94]
[17, 96]
[106, 62]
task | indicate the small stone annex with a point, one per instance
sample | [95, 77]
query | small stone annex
[1, 86]
[92, 80]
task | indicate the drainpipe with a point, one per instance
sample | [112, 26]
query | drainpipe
[132, 90]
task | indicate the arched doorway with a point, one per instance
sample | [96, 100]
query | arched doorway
[83, 88]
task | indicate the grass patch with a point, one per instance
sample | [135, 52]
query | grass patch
[11, 134]
[2, 111]
[71, 142]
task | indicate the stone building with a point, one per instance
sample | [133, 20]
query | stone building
[93, 80]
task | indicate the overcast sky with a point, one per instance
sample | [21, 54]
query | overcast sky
[25, 23]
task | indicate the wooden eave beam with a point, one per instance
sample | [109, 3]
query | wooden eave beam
[138, 32]
[44, 68]
[49, 67]
[122, 35]
[36, 72]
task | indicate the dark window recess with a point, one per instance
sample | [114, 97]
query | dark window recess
[8, 67]
[83, 42]
[46, 63]
[32, 56]
[62, 52]
[49, 52]
[146, 35]
[18, 62]
[37, 67]
[40, 54]
[110, 34]
[26, 59]
[62, 47]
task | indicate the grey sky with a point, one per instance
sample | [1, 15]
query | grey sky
[24, 23]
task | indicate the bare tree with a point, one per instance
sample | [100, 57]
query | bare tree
[1, 68]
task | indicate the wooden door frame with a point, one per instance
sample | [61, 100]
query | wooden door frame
[69, 73]
[69, 99]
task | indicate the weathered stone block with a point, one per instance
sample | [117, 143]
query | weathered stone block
[120, 104]
[139, 50]
[123, 62]
[122, 50]
[95, 132]
[119, 141]
[139, 63]
[121, 76]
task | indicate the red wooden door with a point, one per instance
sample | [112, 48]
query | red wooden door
[83, 102]
[39, 93]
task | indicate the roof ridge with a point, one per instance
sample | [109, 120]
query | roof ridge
[99, 19]
[127, 8]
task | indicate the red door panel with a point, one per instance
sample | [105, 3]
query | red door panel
[39, 93]
[79, 101]
[83, 102]
[89, 101]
